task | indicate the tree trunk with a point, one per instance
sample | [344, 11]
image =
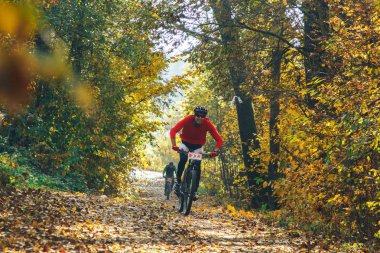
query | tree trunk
[316, 31]
[274, 142]
[243, 101]
[77, 47]
[42, 48]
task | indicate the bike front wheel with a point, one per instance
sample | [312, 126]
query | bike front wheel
[189, 192]
[167, 189]
[181, 201]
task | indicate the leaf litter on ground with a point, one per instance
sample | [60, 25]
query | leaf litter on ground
[34, 220]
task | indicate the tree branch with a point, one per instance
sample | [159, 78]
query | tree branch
[197, 35]
[245, 26]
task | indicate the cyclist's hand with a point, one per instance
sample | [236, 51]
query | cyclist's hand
[176, 148]
[214, 153]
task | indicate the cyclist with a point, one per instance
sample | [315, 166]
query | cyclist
[169, 173]
[193, 137]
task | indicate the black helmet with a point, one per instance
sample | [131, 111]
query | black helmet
[200, 110]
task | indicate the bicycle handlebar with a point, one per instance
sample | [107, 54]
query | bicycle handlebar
[204, 154]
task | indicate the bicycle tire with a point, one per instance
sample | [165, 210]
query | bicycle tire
[180, 200]
[185, 189]
[191, 187]
[182, 191]
[166, 188]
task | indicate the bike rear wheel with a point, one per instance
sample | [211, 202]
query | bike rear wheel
[189, 192]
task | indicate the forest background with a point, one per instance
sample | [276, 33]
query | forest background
[292, 86]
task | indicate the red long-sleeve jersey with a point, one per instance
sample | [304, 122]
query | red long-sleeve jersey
[196, 135]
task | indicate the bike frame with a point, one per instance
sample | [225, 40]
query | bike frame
[190, 177]
[169, 182]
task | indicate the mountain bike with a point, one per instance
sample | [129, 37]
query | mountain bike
[169, 181]
[189, 180]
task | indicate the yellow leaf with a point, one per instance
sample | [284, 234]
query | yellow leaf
[9, 19]
[35, 224]
[119, 199]
[231, 209]
[155, 15]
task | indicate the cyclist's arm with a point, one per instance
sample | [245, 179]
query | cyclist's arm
[178, 128]
[214, 133]
[173, 142]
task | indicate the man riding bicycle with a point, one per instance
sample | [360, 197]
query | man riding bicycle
[193, 137]
[168, 174]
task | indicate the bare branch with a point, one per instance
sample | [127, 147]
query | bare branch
[245, 26]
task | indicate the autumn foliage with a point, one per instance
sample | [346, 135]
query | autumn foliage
[292, 86]
[331, 152]
[327, 87]
[79, 83]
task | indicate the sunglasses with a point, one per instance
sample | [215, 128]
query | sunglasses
[200, 116]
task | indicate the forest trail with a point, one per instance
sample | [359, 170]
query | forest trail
[53, 221]
[210, 228]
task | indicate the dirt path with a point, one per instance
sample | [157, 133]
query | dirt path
[212, 229]
[53, 221]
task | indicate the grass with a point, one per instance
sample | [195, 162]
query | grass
[18, 171]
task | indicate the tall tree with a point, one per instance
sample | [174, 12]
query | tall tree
[316, 32]
[238, 74]
[214, 23]
[274, 131]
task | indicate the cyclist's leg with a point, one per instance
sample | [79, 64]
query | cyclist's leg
[198, 151]
[199, 176]
[182, 162]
